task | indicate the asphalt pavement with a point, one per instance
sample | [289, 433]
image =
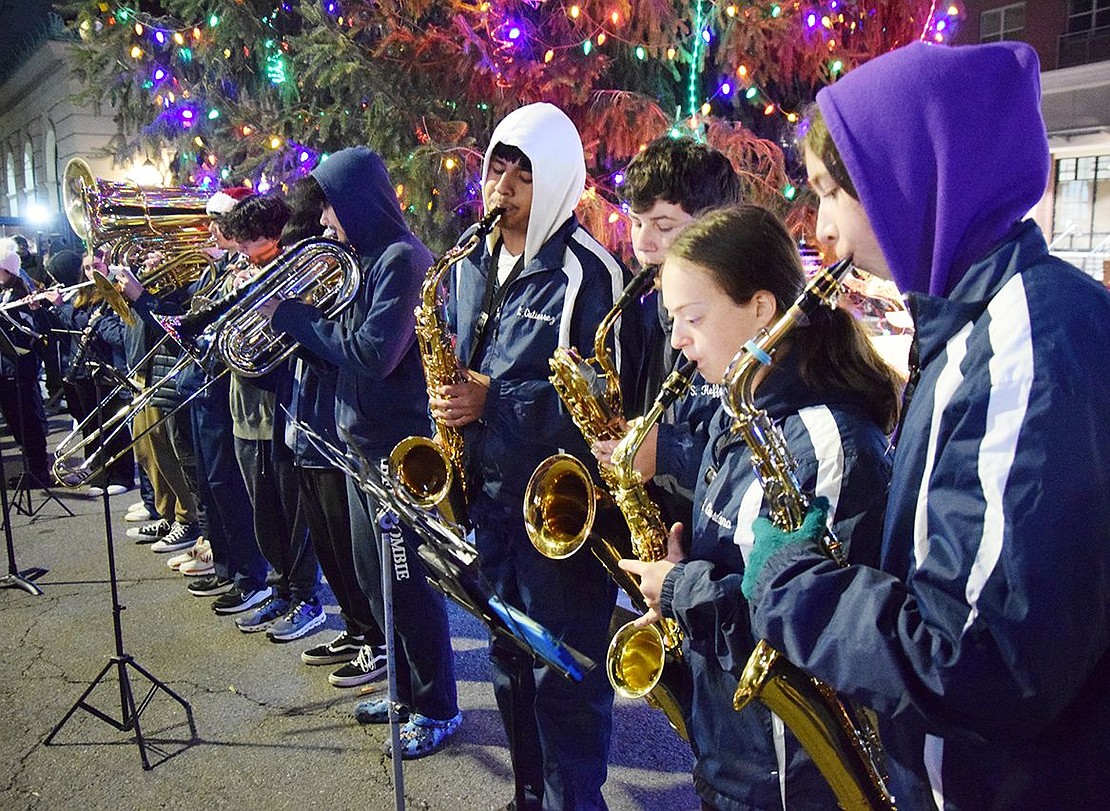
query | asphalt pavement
[270, 732]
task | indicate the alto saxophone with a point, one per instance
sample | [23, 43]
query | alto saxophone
[561, 511]
[840, 737]
[433, 472]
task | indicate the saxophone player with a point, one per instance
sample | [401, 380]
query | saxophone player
[381, 398]
[982, 641]
[540, 281]
[729, 275]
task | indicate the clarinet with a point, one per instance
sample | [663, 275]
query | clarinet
[84, 344]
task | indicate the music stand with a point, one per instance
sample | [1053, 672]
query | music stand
[23, 486]
[451, 565]
[121, 661]
[14, 578]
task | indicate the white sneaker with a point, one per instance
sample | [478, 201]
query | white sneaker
[141, 513]
[201, 564]
[117, 489]
[138, 505]
[177, 561]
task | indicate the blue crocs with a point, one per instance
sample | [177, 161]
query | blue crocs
[376, 711]
[422, 736]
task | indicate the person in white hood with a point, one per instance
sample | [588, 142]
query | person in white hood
[540, 281]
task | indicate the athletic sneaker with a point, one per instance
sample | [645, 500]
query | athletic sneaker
[201, 564]
[264, 616]
[340, 650]
[149, 533]
[210, 586]
[367, 666]
[181, 536]
[239, 599]
[301, 618]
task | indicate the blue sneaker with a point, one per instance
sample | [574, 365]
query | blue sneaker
[300, 618]
[264, 616]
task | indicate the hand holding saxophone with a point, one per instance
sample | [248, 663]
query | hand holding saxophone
[459, 404]
[644, 463]
[653, 573]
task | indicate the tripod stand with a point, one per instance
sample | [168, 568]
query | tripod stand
[122, 662]
[14, 578]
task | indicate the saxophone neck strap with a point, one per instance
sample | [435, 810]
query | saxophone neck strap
[492, 299]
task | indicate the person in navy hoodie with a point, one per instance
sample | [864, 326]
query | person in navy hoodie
[981, 639]
[538, 282]
[731, 274]
[381, 398]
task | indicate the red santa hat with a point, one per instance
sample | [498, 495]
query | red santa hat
[225, 199]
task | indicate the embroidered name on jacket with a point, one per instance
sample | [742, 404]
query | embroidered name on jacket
[535, 315]
[715, 517]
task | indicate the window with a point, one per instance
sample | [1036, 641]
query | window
[1007, 22]
[1081, 218]
[12, 188]
[1087, 15]
[28, 174]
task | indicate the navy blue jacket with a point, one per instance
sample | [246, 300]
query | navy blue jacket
[380, 392]
[558, 299]
[746, 760]
[982, 639]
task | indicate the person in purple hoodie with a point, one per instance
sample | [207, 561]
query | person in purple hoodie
[381, 398]
[981, 640]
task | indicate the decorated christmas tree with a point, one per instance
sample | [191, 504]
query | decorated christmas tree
[260, 92]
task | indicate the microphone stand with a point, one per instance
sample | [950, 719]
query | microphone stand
[121, 661]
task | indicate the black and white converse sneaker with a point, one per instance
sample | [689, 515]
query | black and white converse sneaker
[180, 536]
[149, 533]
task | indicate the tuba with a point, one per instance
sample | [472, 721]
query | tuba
[319, 271]
[563, 510]
[841, 738]
[432, 472]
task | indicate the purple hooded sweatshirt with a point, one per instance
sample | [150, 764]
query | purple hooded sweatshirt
[944, 170]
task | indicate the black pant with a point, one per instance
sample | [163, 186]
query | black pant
[279, 522]
[21, 404]
[425, 663]
[324, 501]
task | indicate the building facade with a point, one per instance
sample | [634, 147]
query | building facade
[1072, 38]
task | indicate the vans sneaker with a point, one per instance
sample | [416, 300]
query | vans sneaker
[367, 666]
[181, 536]
[149, 533]
[239, 599]
[264, 616]
[340, 650]
[301, 618]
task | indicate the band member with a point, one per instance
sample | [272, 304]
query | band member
[102, 334]
[239, 580]
[293, 610]
[540, 281]
[730, 274]
[981, 640]
[666, 186]
[20, 396]
[309, 396]
[381, 399]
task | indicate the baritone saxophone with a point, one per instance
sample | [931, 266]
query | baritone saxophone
[431, 471]
[563, 510]
[841, 738]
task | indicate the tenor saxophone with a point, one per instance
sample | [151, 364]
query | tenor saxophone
[433, 473]
[561, 512]
[840, 737]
